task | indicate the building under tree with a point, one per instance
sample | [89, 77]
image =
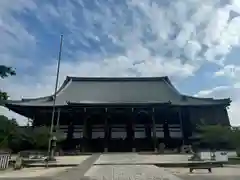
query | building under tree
[122, 114]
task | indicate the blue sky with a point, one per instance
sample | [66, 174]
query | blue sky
[194, 42]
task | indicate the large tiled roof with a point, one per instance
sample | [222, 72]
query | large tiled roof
[103, 91]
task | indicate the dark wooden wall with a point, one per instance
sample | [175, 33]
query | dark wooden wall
[209, 115]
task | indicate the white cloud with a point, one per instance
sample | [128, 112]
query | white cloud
[138, 38]
[232, 71]
[16, 40]
[235, 6]
[210, 92]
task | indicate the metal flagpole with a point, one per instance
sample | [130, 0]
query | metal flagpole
[50, 154]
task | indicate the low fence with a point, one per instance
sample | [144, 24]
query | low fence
[4, 160]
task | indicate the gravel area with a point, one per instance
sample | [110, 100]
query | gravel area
[61, 173]
[32, 172]
[214, 177]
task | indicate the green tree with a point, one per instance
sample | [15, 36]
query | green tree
[5, 71]
[40, 137]
[215, 136]
[8, 129]
[235, 139]
[18, 138]
[22, 139]
[13, 136]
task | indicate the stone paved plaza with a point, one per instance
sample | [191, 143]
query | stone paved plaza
[88, 171]
[134, 158]
[151, 172]
[129, 172]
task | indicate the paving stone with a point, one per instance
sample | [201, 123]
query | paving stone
[134, 158]
[87, 171]
[128, 172]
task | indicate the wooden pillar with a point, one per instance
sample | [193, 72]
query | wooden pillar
[154, 131]
[130, 132]
[70, 134]
[133, 131]
[181, 125]
[85, 131]
[106, 131]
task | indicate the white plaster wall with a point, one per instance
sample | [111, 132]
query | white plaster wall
[139, 134]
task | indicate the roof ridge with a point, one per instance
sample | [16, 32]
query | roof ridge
[169, 83]
[207, 98]
[75, 78]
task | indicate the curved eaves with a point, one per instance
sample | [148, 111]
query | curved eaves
[47, 98]
[198, 100]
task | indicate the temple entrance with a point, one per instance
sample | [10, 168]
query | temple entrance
[97, 145]
[120, 131]
[143, 129]
[119, 145]
[125, 130]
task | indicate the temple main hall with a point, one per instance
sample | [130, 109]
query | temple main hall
[111, 114]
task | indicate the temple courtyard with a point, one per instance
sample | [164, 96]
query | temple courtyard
[121, 167]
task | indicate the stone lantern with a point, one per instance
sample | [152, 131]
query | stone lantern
[53, 146]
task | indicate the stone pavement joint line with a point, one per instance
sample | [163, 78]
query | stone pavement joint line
[77, 173]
